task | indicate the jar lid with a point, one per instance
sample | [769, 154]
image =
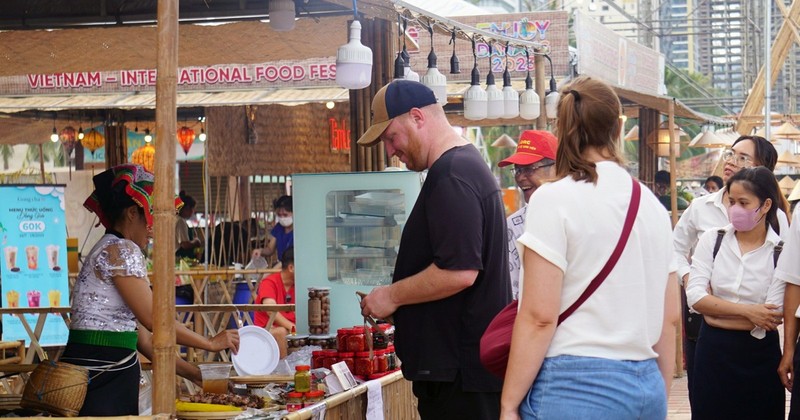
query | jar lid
[315, 394]
[320, 337]
[294, 394]
[319, 289]
[343, 331]
[362, 354]
[296, 336]
[330, 352]
[346, 354]
[301, 368]
[357, 330]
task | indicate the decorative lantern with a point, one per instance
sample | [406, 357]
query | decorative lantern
[68, 137]
[93, 140]
[186, 138]
[145, 156]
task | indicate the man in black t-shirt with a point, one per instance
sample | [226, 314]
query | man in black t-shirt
[451, 274]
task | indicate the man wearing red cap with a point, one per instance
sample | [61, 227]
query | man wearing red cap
[534, 163]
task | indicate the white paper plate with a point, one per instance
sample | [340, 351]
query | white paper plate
[258, 352]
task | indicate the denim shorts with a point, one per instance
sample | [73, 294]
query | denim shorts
[572, 387]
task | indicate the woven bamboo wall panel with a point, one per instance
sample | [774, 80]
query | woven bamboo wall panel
[291, 139]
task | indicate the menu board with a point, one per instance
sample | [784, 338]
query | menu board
[33, 272]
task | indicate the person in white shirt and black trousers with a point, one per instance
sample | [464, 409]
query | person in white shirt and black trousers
[732, 284]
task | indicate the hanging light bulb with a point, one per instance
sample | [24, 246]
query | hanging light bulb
[281, 15]
[434, 79]
[54, 136]
[399, 65]
[454, 65]
[495, 106]
[510, 96]
[551, 99]
[408, 72]
[80, 133]
[529, 104]
[475, 97]
[354, 61]
[202, 136]
[147, 136]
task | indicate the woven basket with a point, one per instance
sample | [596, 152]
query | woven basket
[57, 388]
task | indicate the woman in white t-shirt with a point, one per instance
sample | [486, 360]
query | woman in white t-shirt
[614, 356]
[732, 282]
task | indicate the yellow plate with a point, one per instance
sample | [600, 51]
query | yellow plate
[207, 415]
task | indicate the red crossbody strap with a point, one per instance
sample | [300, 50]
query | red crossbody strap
[633, 208]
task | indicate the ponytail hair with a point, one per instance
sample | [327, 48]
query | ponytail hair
[588, 116]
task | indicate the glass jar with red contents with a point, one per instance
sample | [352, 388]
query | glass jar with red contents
[363, 365]
[341, 338]
[317, 358]
[348, 359]
[329, 358]
[313, 397]
[356, 341]
[380, 363]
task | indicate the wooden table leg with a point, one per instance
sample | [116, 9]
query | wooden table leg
[35, 347]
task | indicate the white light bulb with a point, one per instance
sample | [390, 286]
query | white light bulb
[54, 138]
[551, 104]
[354, 61]
[281, 15]
[435, 80]
[529, 105]
[475, 98]
[495, 106]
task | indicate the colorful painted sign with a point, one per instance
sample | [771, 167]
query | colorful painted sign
[34, 265]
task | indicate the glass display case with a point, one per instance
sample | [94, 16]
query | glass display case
[347, 233]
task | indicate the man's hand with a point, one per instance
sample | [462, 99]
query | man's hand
[378, 303]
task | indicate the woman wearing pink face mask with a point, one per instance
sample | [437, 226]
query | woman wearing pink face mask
[731, 283]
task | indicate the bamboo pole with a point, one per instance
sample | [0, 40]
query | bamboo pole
[673, 193]
[783, 41]
[538, 71]
[164, 229]
[41, 161]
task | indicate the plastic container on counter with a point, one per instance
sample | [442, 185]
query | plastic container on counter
[319, 310]
[356, 341]
[348, 359]
[382, 336]
[295, 342]
[381, 363]
[363, 365]
[302, 378]
[313, 397]
[391, 358]
[317, 357]
[325, 342]
[341, 338]
[294, 401]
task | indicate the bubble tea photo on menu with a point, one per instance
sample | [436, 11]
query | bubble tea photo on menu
[11, 258]
[52, 257]
[34, 297]
[32, 255]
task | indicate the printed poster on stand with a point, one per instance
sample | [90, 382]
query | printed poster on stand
[33, 236]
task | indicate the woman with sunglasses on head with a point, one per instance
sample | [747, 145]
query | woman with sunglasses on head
[732, 282]
[112, 299]
[613, 357]
[710, 212]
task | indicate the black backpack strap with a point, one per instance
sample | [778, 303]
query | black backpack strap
[720, 234]
[776, 253]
